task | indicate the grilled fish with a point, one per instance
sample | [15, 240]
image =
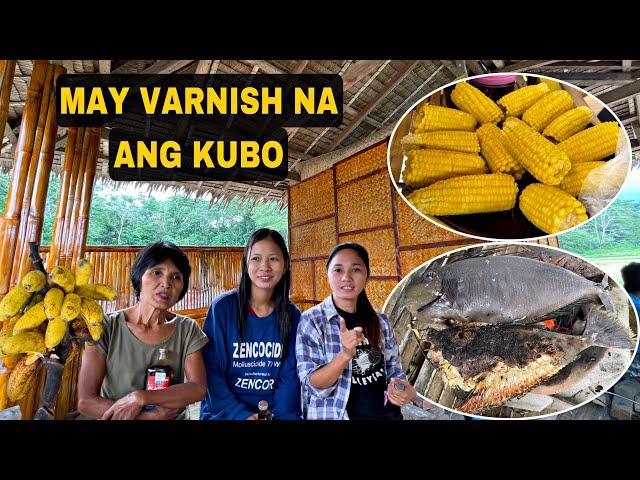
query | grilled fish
[491, 364]
[504, 289]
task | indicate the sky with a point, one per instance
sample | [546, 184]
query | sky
[631, 190]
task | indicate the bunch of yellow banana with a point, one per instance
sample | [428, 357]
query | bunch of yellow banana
[31, 325]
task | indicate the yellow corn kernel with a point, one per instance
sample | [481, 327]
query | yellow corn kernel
[545, 110]
[541, 158]
[443, 140]
[496, 153]
[471, 100]
[552, 84]
[434, 117]
[425, 166]
[519, 100]
[574, 183]
[493, 192]
[569, 123]
[592, 144]
[551, 209]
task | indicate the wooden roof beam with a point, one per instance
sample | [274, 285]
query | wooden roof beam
[525, 65]
[357, 120]
[359, 70]
[590, 78]
[621, 93]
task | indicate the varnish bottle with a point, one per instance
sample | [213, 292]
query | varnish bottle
[159, 375]
[263, 411]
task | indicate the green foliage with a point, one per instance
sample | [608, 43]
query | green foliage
[612, 233]
[138, 220]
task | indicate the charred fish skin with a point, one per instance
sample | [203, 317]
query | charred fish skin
[498, 362]
[507, 288]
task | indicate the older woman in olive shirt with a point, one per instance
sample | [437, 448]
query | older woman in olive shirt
[111, 384]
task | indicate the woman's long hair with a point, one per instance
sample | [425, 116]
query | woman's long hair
[280, 293]
[366, 313]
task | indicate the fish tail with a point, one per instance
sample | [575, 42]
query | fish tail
[604, 330]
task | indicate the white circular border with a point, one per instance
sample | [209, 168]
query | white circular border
[475, 245]
[447, 227]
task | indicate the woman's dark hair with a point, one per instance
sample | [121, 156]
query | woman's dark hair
[631, 277]
[280, 293]
[156, 253]
[366, 314]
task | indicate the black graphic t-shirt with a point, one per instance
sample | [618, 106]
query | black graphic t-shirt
[368, 381]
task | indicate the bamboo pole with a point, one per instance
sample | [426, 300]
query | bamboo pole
[7, 70]
[33, 168]
[73, 230]
[82, 142]
[35, 217]
[65, 181]
[84, 206]
[10, 225]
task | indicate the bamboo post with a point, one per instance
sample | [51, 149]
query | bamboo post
[33, 168]
[61, 209]
[10, 225]
[82, 143]
[84, 206]
[35, 217]
[7, 70]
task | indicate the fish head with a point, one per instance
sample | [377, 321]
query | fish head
[424, 290]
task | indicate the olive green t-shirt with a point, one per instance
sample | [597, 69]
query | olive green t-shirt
[128, 357]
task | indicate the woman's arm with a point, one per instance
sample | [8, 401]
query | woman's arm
[92, 371]
[168, 401]
[327, 375]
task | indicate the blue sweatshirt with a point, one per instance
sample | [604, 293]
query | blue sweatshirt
[240, 374]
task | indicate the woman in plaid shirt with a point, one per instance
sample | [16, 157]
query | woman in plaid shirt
[348, 361]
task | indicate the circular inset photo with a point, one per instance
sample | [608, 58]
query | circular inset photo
[510, 330]
[509, 156]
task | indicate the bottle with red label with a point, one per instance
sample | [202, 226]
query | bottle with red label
[263, 411]
[159, 375]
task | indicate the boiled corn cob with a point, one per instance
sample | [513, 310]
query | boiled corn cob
[434, 117]
[519, 100]
[550, 209]
[427, 166]
[443, 140]
[496, 153]
[552, 84]
[594, 143]
[468, 194]
[575, 182]
[471, 100]
[544, 160]
[569, 123]
[545, 110]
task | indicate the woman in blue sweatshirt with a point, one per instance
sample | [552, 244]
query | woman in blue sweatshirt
[251, 354]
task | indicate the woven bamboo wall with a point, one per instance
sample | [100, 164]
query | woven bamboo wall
[354, 201]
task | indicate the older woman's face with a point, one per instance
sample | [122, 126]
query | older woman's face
[161, 285]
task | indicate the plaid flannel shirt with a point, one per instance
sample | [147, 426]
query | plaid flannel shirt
[317, 343]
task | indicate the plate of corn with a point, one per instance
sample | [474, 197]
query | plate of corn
[536, 159]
